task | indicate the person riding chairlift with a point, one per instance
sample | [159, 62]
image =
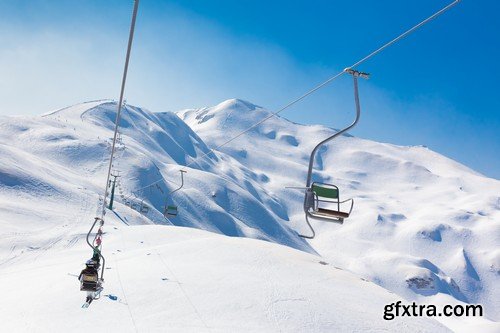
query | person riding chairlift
[89, 277]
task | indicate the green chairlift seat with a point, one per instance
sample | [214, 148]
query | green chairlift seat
[329, 195]
[144, 209]
[171, 210]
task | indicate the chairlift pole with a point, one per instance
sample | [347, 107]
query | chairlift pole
[95, 247]
[182, 182]
[112, 197]
[355, 74]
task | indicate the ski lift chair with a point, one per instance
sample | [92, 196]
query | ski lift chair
[171, 211]
[90, 281]
[325, 203]
[89, 278]
[322, 201]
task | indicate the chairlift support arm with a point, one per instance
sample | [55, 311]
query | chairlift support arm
[182, 182]
[355, 74]
[309, 195]
[95, 248]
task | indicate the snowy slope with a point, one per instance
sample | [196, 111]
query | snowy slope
[77, 141]
[419, 217]
[175, 279]
[423, 224]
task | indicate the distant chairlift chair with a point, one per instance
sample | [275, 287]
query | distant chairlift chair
[322, 201]
[144, 209]
[171, 210]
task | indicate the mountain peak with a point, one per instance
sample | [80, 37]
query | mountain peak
[234, 112]
[236, 103]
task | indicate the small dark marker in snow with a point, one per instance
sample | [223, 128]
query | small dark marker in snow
[164, 279]
[119, 250]
[323, 263]
[148, 254]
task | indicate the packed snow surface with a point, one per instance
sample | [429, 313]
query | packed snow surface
[424, 228]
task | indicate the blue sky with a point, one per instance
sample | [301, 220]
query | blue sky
[438, 87]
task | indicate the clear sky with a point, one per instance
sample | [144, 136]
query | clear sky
[438, 87]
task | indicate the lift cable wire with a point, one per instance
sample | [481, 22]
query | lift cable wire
[96, 244]
[313, 90]
[321, 85]
[119, 106]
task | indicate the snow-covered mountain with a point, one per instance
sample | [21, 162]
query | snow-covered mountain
[424, 227]
[423, 224]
